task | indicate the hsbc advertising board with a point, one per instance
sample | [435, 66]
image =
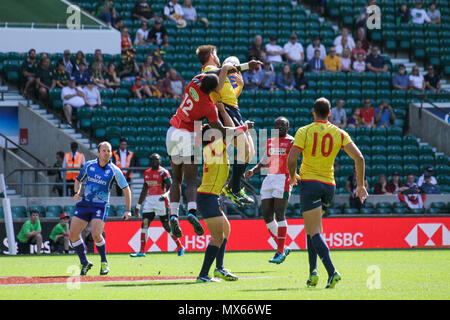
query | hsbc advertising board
[339, 233]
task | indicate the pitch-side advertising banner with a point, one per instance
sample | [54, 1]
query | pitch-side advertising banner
[339, 233]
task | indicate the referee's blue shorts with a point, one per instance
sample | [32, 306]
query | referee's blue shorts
[209, 205]
[314, 194]
[87, 211]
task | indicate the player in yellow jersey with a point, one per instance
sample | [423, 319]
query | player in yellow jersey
[207, 55]
[215, 174]
[320, 143]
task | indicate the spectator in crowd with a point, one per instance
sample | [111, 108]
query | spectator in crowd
[44, 80]
[381, 186]
[98, 59]
[269, 79]
[60, 75]
[73, 160]
[158, 35]
[254, 52]
[400, 80]
[142, 35]
[174, 84]
[357, 50]
[343, 45]
[434, 14]
[367, 114]
[294, 51]
[173, 11]
[124, 158]
[316, 64]
[59, 174]
[428, 171]
[338, 115]
[411, 184]
[30, 233]
[384, 115]
[140, 90]
[73, 98]
[301, 83]
[285, 79]
[107, 12]
[344, 34]
[404, 14]
[79, 59]
[354, 120]
[68, 62]
[253, 78]
[92, 94]
[361, 36]
[81, 75]
[395, 185]
[359, 65]
[315, 45]
[419, 15]
[428, 187]
[161, 91]
[128, 68]
[264, 58]
[111, 79]
[375, 62]
[147, 70]
[118, 24]
[432, 80]
[189, 12]
[274, 51]
[332, 61]
[29, 69]
[60, 234]
[143, 11]
[416, 80]
[98, 75]
[125, 41]
[346, 60]
[160, 67]
[350, 186]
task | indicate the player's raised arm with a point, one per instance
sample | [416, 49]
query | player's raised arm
[352, 150]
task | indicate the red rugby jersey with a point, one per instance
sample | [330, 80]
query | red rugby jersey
[154, 180]
[277, 150]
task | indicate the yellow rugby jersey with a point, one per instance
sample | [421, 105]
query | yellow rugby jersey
[227, 95]
[320, 142]
[215, 168]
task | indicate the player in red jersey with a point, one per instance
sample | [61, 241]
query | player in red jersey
[154, 192]
[276, 188]
[180, 141]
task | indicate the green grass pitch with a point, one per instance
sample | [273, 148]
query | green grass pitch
[391, 274]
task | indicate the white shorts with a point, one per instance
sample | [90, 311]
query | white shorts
[152, 204]
[276, 186]
[179, 142]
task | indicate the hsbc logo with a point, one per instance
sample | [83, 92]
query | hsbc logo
[293, 232]
[428, 235]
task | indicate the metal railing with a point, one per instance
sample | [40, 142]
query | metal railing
[9, 141]
[424, 97]
[58, 26]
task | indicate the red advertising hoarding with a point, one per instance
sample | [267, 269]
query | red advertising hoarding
[339, 233]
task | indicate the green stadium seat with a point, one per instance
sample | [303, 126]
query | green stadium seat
[19, 212]
[367, 211]
[417, 210]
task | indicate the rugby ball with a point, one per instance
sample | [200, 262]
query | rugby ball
[232, 60]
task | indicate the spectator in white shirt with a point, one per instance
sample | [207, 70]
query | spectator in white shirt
[419, 15]
[93, 97]
[73, 98]
[343, 45]
[313, 46]
[173, 11]
[344, 33]
[338, 115]
[141, 35]
[346, 60]
[274, 51]
[429, 171]
[434, 14]
[416, 80]
[189, 12]
[294, 51]
[359, 64]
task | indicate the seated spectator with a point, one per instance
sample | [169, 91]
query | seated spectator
[428, 187]
[173, 11]
[400, 80]
[142, 35]
[338, 116]
[60, 75]
[301, 83]
[359, 65]
[254, 52]
[418, 14]
[125, 41]
[375, 62]
[434, 14]
[81, 75]
[354, 120]
[380, 187]
[147, 70]
[160, 67]
[357, 50]
[73, 98]
[98, 59]
[344, 34]
[316, 64]
[285, 79]
[189, 12]
[361, 36]
[140, 90]
[404, 14]
[269, 79]
[367, 114]
[160, 90]
[343, 45]
[384, 115]
[30, 233]
[274, 51]
[158, 35]
[59, 236]
[416, 80]
[432, 80]
[315, 45]
[106, 11]
[428, 171]
[253, 79]
[332, 61]
[143, 11]
[128, 68]
[68, 62]
[346, 60]
[79, 58]
[411, 185]
[98, 75]
[350, 186]
[118, 24]
[29, 69]
[44, 79]
[111, 79]
[174, 84]
[93, 97]
[294, 51]
[395, 186]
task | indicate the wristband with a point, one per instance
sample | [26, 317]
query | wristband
[244, 66]
[127, 211]
[138, 206]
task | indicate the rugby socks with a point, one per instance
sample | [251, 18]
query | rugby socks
[174, 208]
[273, 230]
[238, 171]
[210, 254]
[324, 253]
[177, 241]
[143, 240]
[192, 207]
[80, 249]
[312, 254]
[221, 254]
[282, 230]
[101, 248]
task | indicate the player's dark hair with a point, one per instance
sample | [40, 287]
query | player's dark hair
[123, 140]
[61, 154]
[203, 53]
[155, 155]
[322, 108]
[209, 83]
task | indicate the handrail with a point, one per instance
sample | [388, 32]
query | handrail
[34, 25]
[21, 149]
[424, 97]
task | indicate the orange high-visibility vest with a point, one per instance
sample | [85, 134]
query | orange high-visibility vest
[73, 163]
[116, 154]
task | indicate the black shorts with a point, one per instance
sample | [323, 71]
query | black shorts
[314, 194]
[209, 205]
[234, 114]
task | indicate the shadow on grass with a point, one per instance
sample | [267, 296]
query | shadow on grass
[253, 272]
[151, 284]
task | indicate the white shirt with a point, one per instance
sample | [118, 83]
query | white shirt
[123, 158]
[417, 80]
[419, 16]
[310, 52]
[144, 35]
[189, 13]
[170, 9]
[273, 58]
[294, 50]
[340, 49]
[76, 101]
[422, 180]
[346, 63]
[359, 66]
[350, 41]
[91, 95]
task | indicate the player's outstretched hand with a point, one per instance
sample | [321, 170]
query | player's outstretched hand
[126, 215]
[229, 68]
[254, 64]
[76, 197]
[248, 174]
[249, 124]
[362, 193]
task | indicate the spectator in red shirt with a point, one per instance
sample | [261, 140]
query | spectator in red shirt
[174, 84]
[139, 89]
[367, 114]
[381, 186]
[125, 40]
[358, 49]
[396, 186]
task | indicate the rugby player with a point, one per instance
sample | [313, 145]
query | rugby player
[180, 140]
[157, 182]
[99, 175]
[320, 142]
[276, 188]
